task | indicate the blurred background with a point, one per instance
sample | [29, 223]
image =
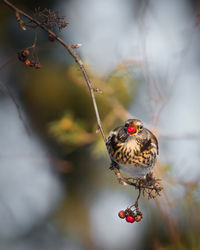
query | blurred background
[56, 189]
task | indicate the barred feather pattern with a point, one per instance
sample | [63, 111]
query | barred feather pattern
[136, 154]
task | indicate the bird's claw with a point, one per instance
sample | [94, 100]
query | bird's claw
[122, 181]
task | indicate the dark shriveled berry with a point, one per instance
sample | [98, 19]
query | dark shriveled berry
[20, 57]
[25, 53]
[37, 65]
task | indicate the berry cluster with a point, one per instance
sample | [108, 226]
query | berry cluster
[23, 56]
[130, 215]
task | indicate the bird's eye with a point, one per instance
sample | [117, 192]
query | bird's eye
[126, 125]
[140, 127]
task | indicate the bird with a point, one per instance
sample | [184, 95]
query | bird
[132, 149]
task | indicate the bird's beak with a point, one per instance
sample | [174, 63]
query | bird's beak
[136, 130]
[133, 125]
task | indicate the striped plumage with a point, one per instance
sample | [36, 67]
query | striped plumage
[134, 153]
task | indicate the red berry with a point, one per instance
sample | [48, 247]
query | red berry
[27, 62]
[25, 52]
[131, 130]
[130, 219]
[121, 214]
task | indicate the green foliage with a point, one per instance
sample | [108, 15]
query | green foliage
[70, 132]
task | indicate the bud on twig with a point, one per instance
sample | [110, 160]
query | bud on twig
[76, 46]
[19, 20]
[97, 90]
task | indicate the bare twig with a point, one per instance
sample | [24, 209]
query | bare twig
[137, 200]
[72, 53]
[19, 20]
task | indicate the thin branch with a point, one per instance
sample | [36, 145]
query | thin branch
[147, 185]
[137, 200]
[72, 53]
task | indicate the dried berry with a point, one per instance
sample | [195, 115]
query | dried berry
[20, 57]
[27, 62]
[121, 214]
[138, 218]
[25, 52]
[37, 65]
[130, 219]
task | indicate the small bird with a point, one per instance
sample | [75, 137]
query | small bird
[132, 149]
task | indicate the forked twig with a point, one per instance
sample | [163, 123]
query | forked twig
[149, 185]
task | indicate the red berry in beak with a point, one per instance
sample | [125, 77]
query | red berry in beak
[131, 130]
[130, 219]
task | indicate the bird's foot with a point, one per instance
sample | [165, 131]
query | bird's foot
[122, 181]
[113, 165]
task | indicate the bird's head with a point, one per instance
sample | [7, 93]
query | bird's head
[133, 126]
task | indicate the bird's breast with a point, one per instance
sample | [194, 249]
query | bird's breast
[130, 153]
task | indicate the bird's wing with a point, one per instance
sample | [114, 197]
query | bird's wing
[154, 140]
